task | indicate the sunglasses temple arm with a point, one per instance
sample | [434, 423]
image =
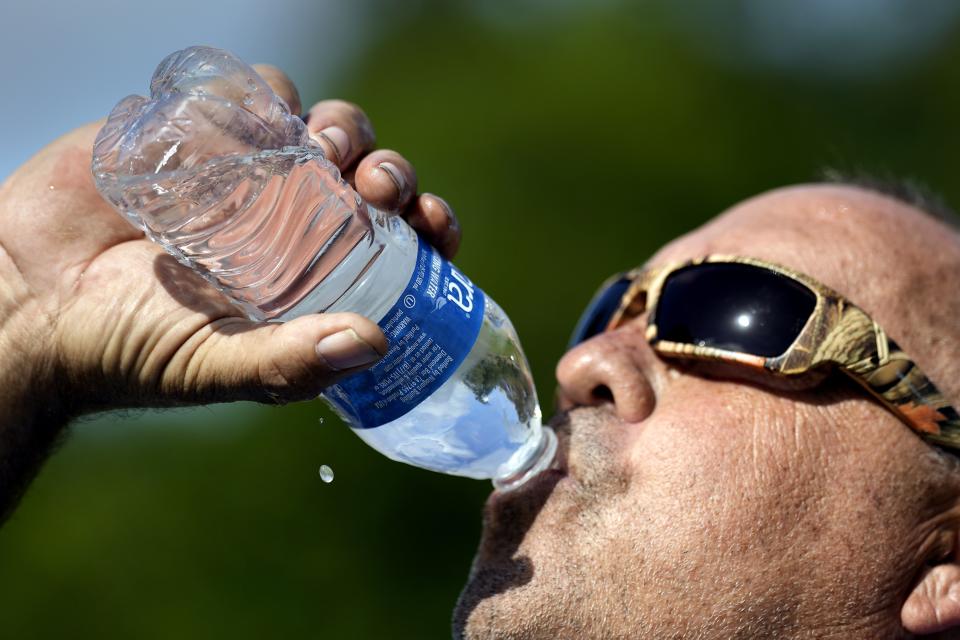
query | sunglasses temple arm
[900, 384]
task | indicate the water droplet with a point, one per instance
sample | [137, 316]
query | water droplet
[321, 420]
[247, 100]
[326, 473]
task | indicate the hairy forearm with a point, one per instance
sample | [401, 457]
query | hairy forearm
[28, 430]
[32, 410]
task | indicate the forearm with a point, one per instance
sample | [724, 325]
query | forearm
[32, 411]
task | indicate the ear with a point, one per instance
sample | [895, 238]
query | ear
[934, 603]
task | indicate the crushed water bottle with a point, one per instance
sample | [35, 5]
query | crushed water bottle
[215, 168]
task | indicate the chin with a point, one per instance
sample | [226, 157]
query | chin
[505, 594]
[497, 604]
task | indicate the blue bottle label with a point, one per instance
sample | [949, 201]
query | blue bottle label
[431, 328]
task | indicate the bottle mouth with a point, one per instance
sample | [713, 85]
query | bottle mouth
[528, 461]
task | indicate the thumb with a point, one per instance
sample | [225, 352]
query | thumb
[238, 359]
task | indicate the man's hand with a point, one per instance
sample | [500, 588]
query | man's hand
[88, 320]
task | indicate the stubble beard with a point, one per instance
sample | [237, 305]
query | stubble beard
[540, 570]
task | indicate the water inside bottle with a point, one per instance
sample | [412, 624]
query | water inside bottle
[266, 228]
[483, 422]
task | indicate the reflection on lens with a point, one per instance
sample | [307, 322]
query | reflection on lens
[733, 306]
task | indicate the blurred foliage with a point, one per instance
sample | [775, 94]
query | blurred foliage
[571, 145]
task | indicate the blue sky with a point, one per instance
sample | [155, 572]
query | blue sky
[67, 63]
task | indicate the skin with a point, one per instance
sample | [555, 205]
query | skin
[94, 316]
[694, 507]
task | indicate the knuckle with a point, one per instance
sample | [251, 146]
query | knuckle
[337, 111]
[347, 115]
[278, 383]
[270, 376]
[349, 110]
[289, 379]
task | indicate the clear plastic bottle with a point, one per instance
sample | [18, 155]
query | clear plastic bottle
[214, 168]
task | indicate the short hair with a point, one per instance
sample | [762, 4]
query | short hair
[908, 190]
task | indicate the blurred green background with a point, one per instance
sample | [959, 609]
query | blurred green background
[572, 141]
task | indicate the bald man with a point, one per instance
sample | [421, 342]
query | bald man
[727, 505]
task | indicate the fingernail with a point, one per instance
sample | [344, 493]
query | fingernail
[345, 350]
[395, 175]
[453, 224]
[338, 141]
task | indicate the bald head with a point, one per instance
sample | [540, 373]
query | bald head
[694, 507]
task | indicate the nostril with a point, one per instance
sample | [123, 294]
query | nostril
[607, 370]
[602, 393]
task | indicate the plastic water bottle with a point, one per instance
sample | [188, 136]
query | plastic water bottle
[213, 167]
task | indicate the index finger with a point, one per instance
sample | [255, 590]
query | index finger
[342, 129]
[281, 84]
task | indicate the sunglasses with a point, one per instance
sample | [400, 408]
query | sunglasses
[765, 320]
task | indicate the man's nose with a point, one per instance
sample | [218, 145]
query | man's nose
[607, 368]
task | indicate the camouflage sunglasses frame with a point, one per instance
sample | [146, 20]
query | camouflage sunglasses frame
[837, 334]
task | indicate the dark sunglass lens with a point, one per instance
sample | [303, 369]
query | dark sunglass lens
[598, 313]
[737, 307]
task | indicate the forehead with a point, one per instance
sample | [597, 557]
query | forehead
[836, 234]
[867, 246]
[896, 262]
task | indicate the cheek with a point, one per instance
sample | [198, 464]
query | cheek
[730, 469]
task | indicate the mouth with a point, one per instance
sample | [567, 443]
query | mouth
[538, 489]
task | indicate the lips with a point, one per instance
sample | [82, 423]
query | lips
[561, 427]
[536, 490]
